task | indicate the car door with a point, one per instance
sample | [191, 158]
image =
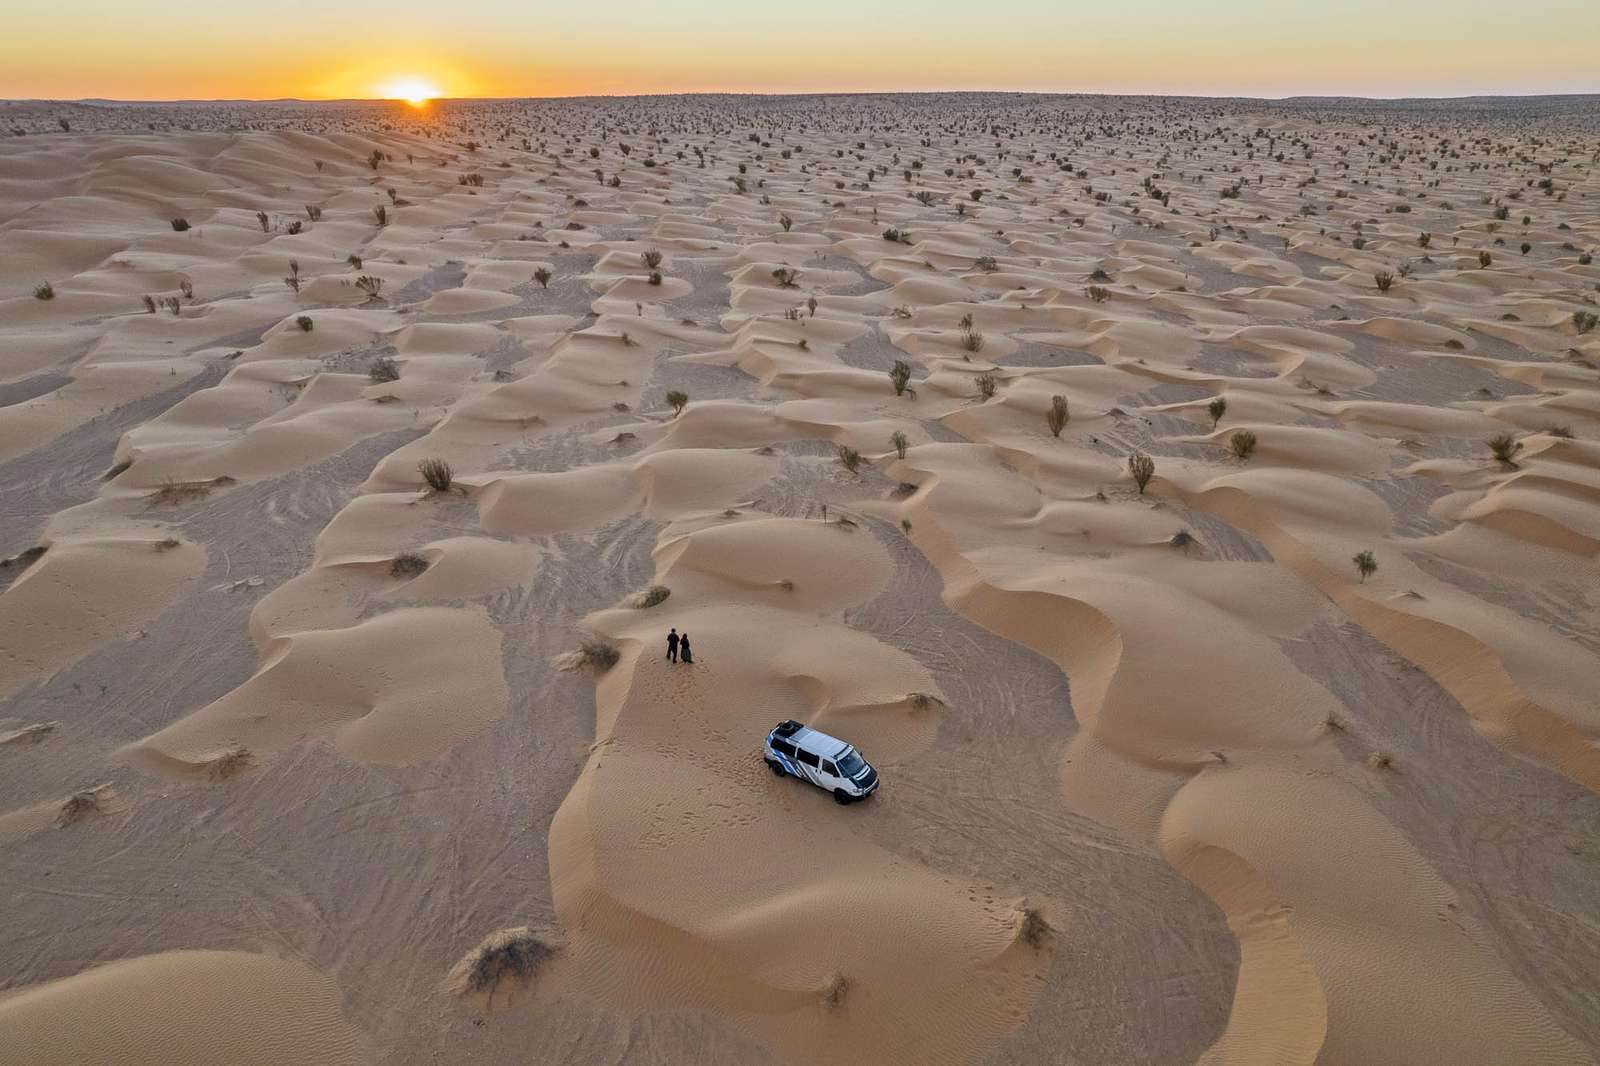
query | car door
[811, 766]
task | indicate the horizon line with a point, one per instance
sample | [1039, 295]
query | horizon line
[1490, 95]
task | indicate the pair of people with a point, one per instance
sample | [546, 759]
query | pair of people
[679, 645]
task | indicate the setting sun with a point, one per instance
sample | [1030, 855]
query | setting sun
[414, 91]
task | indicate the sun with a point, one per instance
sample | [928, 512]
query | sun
[414, 91]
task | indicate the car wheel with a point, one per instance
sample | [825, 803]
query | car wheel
[841, 797]
[777, 767]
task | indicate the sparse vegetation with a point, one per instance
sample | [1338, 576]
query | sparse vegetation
[180, 224]
[677, 401]
[543, 276]
[849, 457]
[45, 291]
[507, 955]
[408, 564]
[1056, 417]
[1143, 468]
[437, 473]
[84, 803]
[786, 277]
[595, 654]
[1216, 409]
[233, 761]
[1242, 443]
[836, 991]
[1032, 928]
[1366, 564]
[899, 442]
[1584, 321]
[1504, 447]
[1098, 293]
[986, 383]
[651, 596]
[371, 286]
[900, 376]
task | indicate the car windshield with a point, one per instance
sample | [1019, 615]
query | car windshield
[851, 764]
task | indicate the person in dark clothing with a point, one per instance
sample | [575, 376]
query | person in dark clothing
[672, 646]
[683, 648]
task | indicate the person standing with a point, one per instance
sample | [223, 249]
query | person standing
[672, 646]
[684, 650]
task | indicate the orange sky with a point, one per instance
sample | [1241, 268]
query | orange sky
[135, 49]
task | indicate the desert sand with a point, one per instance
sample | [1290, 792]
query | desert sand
[307, 757]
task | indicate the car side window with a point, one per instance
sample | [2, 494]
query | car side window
[829, 768]
[783, 747]
[808, 758]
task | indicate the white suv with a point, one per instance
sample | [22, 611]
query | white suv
[829, 763]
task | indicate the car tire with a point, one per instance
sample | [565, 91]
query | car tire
[841, 797]
[777, 768]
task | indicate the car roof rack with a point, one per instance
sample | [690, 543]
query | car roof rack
[788, 728]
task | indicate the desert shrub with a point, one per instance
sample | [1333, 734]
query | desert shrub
[1366, 564]
[1584, 321]
[896, 236]
[514, 954]
[1424, 239]
[786, 222]
[1097, 293]
[835, 991]
[1585, 259]
[786, 277]
[655, 277]
[972, 340]
[1241, 443]
[187, 288]
[1484, 259]
[986, 383]
[1560, 431]
[381, 214]
[232, 761]
[354, 261]
[651, 259]
[898, 440]
[1216, 409]
[1503, 446]
[594, 654]
[372, 286]
[677, 401]
[81, 804]
[1143, 468]
[437, 473]
[383, 369]
[149, 305]
[900, 375]
[408, 564]
[45, 291]
[1380, 760]
[180, 224]
[263, 221]
[986, 263]
[313, 212]
[849, 458]
[293, 280]
[1384, 280]
[1032, 928]
[305, 323]
[651, 596]
[1526, 247]
[543, 276]
[1056, 417]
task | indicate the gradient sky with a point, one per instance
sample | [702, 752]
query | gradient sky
[141, 50]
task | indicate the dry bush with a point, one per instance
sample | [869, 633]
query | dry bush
[594, 654]
[1216, 409]
[82, 804]
[1366, 564]
[1143, 468]
[1380, 760]
[899, 442]
[180, 224]
[677, 401]
[44, 291]
[986, 263]
[371, 285]
[849, 457]
[786, 277]
[543, 276]
[900, 376]
[173, 492]
[1099, 294]
[383, 369]
[167, 544]
[1056, 417]
[835, 991]
[651, 596]
[1031, 926]
[437, 473]
[305, 323]
[235, 760]
[1503, 447]
[972, 340]
[1384, 280]
[1241, 443]
[651, 259]
[408, 564]
[1584, 321]
[515, 954]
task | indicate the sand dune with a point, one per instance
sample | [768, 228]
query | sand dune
[358, 459]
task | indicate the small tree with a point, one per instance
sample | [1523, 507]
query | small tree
[543, 276]
[1241, 443]
[898, 439]
[1216, 409]
[786, 277]
[900, 375]
[1384, 280]
[1143, 468]
[437, 473]
[1056, 417]
[986, 385]
[381, 213]
[677, 401]
[1366, 565]
[651, 259]
[1504, 446]
[304, 322]
[849, 457]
